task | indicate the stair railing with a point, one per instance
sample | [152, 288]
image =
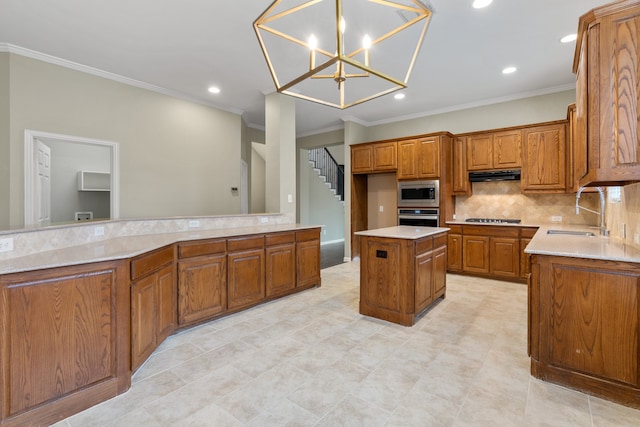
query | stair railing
[332, 172]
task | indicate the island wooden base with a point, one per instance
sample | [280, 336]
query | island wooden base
[400, 278]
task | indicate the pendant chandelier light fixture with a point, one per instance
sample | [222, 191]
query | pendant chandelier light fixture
[341, 53]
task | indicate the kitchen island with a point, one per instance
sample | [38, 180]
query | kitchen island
[402, 271]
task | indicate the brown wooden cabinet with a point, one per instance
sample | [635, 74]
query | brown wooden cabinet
[489, 251]
[497, 150]
[64, 340]
[153, 302]
[460, 184]
[202, 280]
[399, 278]
[246, 268]
[374, 157]
[308, 258]
[608, 94]
[583, 325]
[454, 248]
[525, 259]
[280, 263]
[543, 161]
[419, 158]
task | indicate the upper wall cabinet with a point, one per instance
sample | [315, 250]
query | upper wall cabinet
[376, 157]
[607, 65]
[419, 158]
[544, 159]
[499, 150]
[460, 185]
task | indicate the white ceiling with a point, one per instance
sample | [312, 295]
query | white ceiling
[185, 46]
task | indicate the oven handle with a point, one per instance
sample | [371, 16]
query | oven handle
[417, 216]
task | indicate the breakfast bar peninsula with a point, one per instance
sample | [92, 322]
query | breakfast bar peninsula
[402, 271]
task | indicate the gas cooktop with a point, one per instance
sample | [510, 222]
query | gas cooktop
[494, 220]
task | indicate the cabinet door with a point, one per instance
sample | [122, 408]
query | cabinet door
[407, 159]
[361, 159]
[308, 263]
[423, 281]
[592, 317]
[202, 288]
[439, 271]
[506, 149]
[480, 152]
[475, 254]
[167, 311]
[65, 334]
[280, 269]
[429, 157]
[143, 315]
[461, 185]
[544, 162]
[385, 156]
[454, 246]
[504, 256]
[246, 278]
[525, 259]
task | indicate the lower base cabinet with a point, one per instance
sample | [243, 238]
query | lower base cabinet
[64, 341]
[400, 278]
[583, 328]
[70, 337]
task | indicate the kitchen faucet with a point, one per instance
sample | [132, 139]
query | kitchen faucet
[603, 230]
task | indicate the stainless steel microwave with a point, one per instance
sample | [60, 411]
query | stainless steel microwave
[419, 194]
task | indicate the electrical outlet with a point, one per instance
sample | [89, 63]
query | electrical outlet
[98, 231]
[194, 223]
[556, 218]
[636, 238]
[290, 198]
[324, 231]
[6, 244]
[381, 208]
[264, 220]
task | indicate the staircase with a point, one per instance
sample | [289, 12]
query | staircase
[328, 169]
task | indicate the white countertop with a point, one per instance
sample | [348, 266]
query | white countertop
[406, 232]
[496, 224]
[128, 247]
[595, 247]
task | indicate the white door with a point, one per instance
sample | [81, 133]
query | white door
[42, 180]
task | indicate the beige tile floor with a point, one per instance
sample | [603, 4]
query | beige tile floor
[311, 360]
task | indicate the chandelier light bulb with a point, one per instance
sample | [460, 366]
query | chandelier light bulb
[343, 24]
[313, 42]
[366, 42]
[479, 4]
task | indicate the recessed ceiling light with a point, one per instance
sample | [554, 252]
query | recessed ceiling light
[214, 89]
[399, 96]
[509, 70]
[479, 4]
[569, 38]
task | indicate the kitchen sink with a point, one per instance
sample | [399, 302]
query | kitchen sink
[571, 233]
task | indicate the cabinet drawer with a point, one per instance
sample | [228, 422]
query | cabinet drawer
[245, 243]
[279, 238]
[454, 229]
[206, 247]
[439, 240]
[311, 234]
[483, 230]
[149, 262]
[528, 232]
[424, 245]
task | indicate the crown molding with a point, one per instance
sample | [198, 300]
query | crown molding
[6, 47]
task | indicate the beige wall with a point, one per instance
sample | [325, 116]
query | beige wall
[5, 151]
[513, 113]
[382, 191]
[176, 157]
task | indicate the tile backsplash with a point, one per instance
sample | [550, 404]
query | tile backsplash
[503, 199]
[623, 218]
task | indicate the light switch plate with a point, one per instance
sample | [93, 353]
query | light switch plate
[194, 223]
[98, 231]
[6, 244]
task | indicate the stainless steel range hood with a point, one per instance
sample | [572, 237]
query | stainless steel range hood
[505, 175]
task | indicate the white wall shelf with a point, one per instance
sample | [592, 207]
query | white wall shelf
[94, 181]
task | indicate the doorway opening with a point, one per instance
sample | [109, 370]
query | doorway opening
[90, 185]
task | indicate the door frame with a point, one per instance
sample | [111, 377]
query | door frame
[30, 137]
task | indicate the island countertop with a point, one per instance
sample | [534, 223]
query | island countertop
[406, 232]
